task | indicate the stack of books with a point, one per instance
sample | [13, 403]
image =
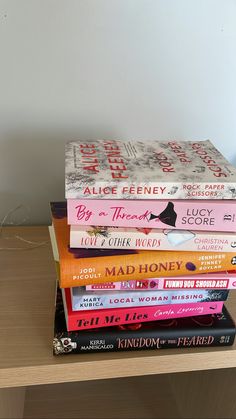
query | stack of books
[145, 246]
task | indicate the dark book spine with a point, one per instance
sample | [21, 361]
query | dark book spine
[128, 340]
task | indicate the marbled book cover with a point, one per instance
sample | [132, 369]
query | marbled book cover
[114, 169]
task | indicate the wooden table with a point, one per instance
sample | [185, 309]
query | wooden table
[27, 295]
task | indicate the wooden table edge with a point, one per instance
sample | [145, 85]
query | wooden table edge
[118, 368]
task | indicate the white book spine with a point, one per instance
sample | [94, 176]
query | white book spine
[82, 300]
[92, 237]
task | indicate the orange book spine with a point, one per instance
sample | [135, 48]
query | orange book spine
[145, 264]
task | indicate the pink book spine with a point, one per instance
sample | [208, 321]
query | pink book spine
[120, 316]
[185, 214]
[204, 281]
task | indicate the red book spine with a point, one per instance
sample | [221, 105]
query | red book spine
[79, 320]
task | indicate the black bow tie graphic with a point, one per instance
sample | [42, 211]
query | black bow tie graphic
[168, 216]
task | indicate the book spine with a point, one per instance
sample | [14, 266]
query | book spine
[138, 339]
[178, 283]
[81, 320]
[155, 190]
[141, 265]
[150, 239]
[195, 215]
[83, 301]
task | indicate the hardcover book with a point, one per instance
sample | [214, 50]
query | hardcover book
[102, 237]
[98, 300]
[92, 319]
[88, 266]
[188, 332]
[222, 280]
[114, 169]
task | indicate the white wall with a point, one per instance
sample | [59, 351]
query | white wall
[108, 68]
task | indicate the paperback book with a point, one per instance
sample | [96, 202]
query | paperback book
[187, 332]
[92, 319]
[88, 266]
[223, 280]
[102, 237]
[98, 300]
[182, 215]
[114, 169]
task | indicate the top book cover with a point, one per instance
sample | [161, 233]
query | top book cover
[114, 169]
